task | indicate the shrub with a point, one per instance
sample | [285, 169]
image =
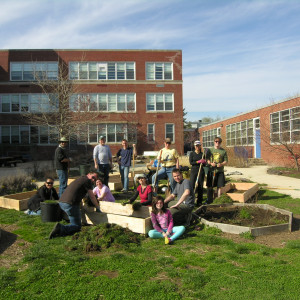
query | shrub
[37, 172]
[237, 156]
[16, 184]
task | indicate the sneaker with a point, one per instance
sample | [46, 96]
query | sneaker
[55, 231]
[167, 241]
[124, 191]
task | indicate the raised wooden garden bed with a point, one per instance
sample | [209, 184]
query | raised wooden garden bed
[217, 216]
[16, 201]
[243, 192]
[115, 213]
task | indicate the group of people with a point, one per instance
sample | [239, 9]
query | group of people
[181, 199]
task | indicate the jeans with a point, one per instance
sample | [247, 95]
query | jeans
[124, 176]
[104, 168]
[177, 231]
[63, 180]
[74, 214]
[162, 173]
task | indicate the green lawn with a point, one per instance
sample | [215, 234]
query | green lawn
[202, 265]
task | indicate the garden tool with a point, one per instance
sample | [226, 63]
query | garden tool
[158, 163]
[134, 184]
[198, 175]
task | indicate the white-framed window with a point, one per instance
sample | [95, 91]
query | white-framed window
[26, 134]
[209, 136]
[240, 134]
[159, 71]
[170, 131]
[31, 71]
[23, 103]
[160, 102]
[102, 70]
[285, 126]
[151, 133]
[103, 102]
[114, 132]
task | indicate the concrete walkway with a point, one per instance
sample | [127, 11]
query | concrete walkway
[281, 184]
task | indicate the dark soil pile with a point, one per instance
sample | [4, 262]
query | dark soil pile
[243, 216]
[103, 236]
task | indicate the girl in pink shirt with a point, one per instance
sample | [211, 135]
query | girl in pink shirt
[162, 221]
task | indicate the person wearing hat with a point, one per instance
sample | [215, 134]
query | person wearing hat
[61, 162]
[197, 158]
[103, 158]
[169, 159]
[143, 190]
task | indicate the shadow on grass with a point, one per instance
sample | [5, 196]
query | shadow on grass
[262, 195]
[7, 239]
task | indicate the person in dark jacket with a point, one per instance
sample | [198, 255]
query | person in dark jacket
[196, 159]
[70, 203]
[45, 192]
[61, 161]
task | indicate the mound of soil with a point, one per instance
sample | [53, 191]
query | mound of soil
[243, 216]
[103, 236]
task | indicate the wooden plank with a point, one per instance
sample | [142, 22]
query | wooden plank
[137, 225]
[17, 204]
[119, 209]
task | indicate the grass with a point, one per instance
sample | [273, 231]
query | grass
[202, 265]
[288, 172]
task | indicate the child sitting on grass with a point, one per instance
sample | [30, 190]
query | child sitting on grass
[162, 221]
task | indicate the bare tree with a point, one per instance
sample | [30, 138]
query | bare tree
[61, 105]
[282, 135]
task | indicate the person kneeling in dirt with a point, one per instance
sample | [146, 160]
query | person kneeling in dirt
[45, 192]
[216, 158]
[162, 221]
[143, 190]
[70, 203]
[182, 209]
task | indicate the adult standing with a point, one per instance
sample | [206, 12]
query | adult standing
[196, 159]
[182, 209]
[217, 158]
[124, 156]
[169, 159]
[70, 203]
[62, 162]
[103, 158]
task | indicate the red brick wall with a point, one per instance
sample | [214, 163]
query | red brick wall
[271, 155]
[139, 86]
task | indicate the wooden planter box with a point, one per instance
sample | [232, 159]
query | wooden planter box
[255, 231]
[16, 201]
[115, 213]
[115, 183]
[250, 191]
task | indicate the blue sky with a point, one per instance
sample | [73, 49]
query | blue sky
[237, 55]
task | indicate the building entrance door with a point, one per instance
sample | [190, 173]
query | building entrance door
[257, 146]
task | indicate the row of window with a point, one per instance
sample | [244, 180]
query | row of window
[209, 136]
[45, 135]
[285, 126]
[111, 102]
[31, 71]
[240, 134]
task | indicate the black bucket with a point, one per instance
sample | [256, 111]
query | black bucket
[51, 212]
[84, 169]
